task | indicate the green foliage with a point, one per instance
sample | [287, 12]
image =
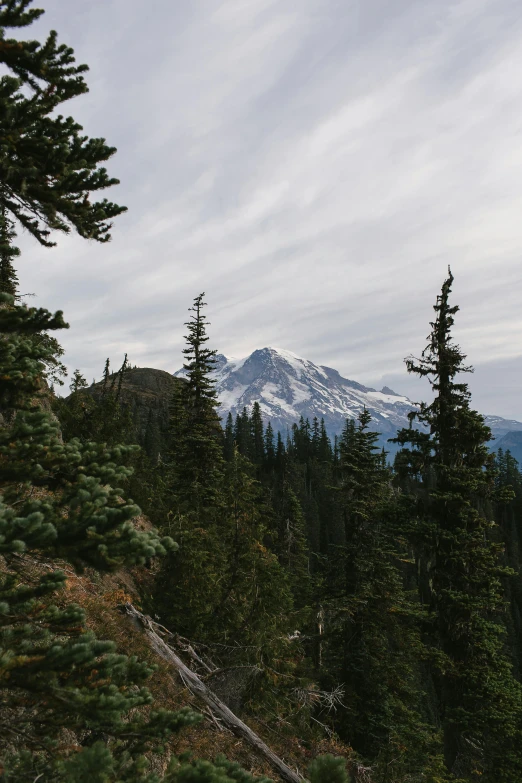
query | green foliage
[98, 414]
[229, 442]
[78, 382]
[258, 441]
[195, 460]
[508, 513]
[394, 583]
[47, 168]
[223, 585]
[193, 479]
[84, 518]
[255, 601]
[328, 768]
[8, 277]
[289, 540]
[372, 646]
[54, 674]
[221, 771]
[452, 477]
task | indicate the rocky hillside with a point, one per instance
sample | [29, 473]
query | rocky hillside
[148, 393]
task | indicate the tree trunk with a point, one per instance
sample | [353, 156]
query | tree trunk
[199, 689]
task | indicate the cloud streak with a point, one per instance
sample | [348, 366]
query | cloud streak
[314, 166]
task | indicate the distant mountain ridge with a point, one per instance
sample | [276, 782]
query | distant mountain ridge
[288, 386]
[511, 441]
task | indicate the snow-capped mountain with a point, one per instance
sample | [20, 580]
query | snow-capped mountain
[288, 386]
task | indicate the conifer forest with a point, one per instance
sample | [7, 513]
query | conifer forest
[242, 604]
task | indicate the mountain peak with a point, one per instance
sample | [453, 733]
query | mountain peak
[287, 386]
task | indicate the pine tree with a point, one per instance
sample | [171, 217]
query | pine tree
[288, 536]
[316, 436]
[508, 513]
[244, 441]
[55, 370]
[54, 674]
[8, 277]
[255, 602]
[189, 583]
[196, 453]
[301, 440]
[258, 439]
[280, 453]
[228, 445]
[325, 452]
[269, 447]
[78, 382]
[47, 169]
[480, 706]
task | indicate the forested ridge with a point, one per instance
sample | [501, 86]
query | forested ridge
[362, 620]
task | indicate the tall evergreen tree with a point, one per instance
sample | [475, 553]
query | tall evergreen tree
[255, 602]
[316, 436]
[280, 453]
[196, 452]
[54, 674]
[189, 583]
[479, 699]
[245, 442]
[78, 382]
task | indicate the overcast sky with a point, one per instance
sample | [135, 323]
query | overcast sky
[313, 166]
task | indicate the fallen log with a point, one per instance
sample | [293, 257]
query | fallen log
[199, 689]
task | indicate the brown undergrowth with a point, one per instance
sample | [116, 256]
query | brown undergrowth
[101, 595]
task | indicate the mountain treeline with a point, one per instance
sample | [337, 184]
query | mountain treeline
[378, 604]
[367, 614]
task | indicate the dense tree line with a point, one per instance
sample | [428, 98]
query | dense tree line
[403, 581]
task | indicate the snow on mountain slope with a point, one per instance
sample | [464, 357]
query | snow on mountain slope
[288, 386]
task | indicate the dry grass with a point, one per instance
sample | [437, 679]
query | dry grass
[100, 595]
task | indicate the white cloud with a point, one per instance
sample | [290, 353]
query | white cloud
[314, 166]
